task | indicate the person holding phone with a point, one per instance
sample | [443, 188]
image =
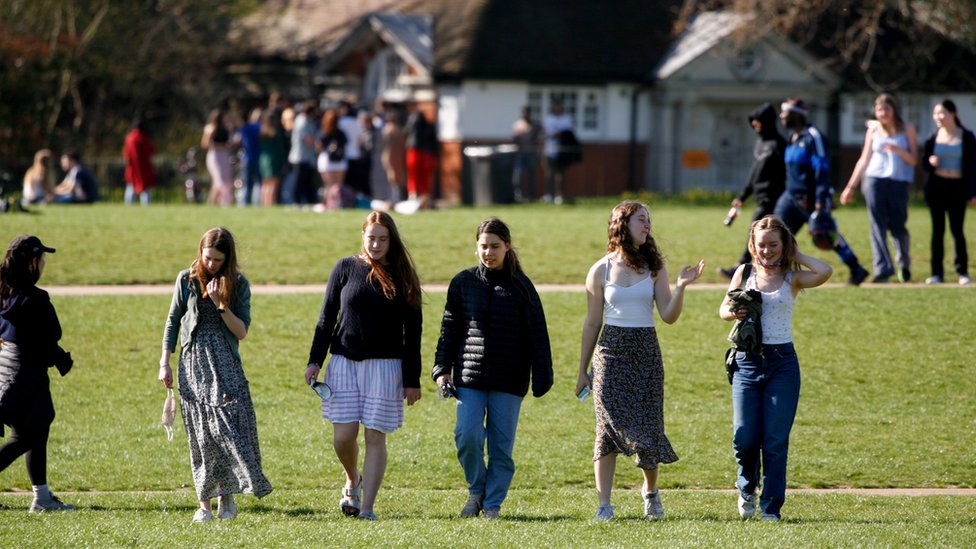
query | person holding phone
[210, 314]
[371, 321]
[628, 372]
[493, 340]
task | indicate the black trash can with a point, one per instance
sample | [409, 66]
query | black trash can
[487, 175]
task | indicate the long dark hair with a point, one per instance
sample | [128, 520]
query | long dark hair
[20, 270]
[950, 106]
[647, 255]
[512, 266]
[399, 261]
[221, 240]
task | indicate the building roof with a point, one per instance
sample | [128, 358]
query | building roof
[411, 36]
[704, 32]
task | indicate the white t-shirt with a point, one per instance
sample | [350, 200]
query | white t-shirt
[553, 124]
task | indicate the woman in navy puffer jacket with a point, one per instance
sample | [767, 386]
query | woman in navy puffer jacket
[493, 342]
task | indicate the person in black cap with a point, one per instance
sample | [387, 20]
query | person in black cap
[29, 335]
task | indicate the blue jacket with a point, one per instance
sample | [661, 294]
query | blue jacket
[808, 168]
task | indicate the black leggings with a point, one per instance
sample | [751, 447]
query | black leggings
[30, 439]
[947, 197]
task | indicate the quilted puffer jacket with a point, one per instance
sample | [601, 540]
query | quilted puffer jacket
[494, 335]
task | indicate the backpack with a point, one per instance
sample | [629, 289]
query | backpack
[569, 149]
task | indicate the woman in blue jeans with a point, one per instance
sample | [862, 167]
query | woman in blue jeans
[493, 340]
[766, 386]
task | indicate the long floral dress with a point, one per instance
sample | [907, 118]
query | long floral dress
[218, 414]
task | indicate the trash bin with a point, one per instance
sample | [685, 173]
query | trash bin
[487, 175]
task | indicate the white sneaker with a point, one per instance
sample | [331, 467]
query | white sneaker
[964, 280]
[933, 280]
[226, 507]
[604, 512]
[202, 515]
[769, 517]
[747, 506]
[653, 509]
[53, 504]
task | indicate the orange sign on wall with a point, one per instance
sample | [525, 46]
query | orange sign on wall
[694, 159]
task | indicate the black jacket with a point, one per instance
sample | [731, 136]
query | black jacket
[767, 178]
[968, 160]
[494, 335]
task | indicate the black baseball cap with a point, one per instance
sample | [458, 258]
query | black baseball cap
[29, 244]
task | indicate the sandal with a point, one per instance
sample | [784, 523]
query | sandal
[350, 499]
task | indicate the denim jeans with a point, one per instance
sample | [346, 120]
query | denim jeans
[887, 201]
[471, 431]
[251, 193]
[765, 392]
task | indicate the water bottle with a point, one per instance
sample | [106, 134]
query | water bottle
[730, 217]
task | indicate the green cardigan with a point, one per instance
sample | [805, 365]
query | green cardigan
[183, 314]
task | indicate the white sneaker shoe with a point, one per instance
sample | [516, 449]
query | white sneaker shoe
[768, 517]
[653, 509]
[202, 515]
[604, 512]
[933, 280]
[53, 504]
[964, 280]
[747, 506]
[226, 507]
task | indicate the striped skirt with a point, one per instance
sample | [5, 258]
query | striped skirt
[368, 391]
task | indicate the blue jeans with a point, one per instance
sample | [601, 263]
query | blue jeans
[790, 209]
[888, 210]
[765, 393]
[251, 193]
[471, 431]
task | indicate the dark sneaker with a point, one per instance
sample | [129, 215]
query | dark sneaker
[904, 275]
[473, 506]
[881, 279]
[858, 275]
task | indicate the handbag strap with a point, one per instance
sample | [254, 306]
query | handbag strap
[746, 272]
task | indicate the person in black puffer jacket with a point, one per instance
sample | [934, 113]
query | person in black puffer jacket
[493, 341]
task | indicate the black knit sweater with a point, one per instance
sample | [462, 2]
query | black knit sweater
[358, 322]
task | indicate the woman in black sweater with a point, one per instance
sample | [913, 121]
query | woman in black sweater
[371, 321]
[493, 339]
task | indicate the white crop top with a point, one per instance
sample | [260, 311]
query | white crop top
[777, 311]
[628, 306]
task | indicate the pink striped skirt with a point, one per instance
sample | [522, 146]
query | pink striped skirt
[368, 391]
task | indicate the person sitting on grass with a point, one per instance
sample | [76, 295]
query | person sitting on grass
[79, 185]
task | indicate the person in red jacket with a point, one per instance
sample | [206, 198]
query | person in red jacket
[140, 176]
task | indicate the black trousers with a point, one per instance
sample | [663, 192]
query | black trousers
[947, 197]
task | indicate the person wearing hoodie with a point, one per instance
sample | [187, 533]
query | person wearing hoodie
[493, 339]
[767, 178]
[29, 335]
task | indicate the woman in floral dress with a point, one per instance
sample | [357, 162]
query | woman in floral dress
[211, 313]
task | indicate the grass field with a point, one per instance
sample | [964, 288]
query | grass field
[113, 244]
[887, 399]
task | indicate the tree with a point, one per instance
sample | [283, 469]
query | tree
[74, 72]
[884, 45]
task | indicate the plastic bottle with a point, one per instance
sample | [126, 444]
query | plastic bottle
[730, 217]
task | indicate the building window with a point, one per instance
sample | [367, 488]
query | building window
[583, 105]
[591, 114]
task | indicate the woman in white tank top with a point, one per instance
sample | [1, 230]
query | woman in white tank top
[766, 386]
[887, 166]
[628, 373]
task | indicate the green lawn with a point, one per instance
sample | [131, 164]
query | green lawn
[887, 399]
[114, 244]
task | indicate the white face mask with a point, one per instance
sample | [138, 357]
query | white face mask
[169, 414]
